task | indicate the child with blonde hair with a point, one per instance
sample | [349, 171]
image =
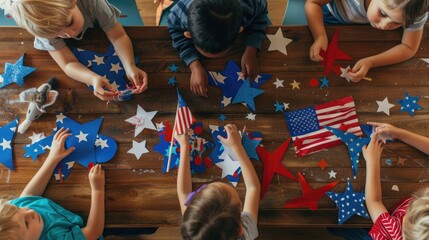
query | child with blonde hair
[32, 216]
[215, 211]
[54, 20]
[410, 218]
[381, 14]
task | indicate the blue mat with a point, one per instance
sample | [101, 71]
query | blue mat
[295, 14]
[130, 15]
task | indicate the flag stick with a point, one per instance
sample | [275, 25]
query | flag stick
[172, 140]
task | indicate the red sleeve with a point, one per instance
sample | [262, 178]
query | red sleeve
[387, 227]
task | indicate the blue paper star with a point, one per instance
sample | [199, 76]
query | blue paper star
[172, 81]
[222, 117]
[279, 107]
[409, 104]
[349, 203]
[250, 146]
[7, 133]
[324, 82]
[353, 143]
[247, 94]
[173, 68]
[15, 73]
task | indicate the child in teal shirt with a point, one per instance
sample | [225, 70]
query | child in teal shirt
[32, 216]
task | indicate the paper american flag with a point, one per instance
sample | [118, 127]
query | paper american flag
[184, 117]
[306, 125]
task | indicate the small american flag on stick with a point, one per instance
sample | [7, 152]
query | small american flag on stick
[184, 117]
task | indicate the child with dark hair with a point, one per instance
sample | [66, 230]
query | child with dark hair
[210, 28]
[32, 216]
[411, 15]
[215, 210]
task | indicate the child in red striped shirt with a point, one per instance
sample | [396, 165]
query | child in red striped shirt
[410, 217]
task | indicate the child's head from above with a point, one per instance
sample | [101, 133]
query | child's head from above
[415, 225]
[19, 223]
[214, 25]
[391, 14]
[213, 213]
[48, 19]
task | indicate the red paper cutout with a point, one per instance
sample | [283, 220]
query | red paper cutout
[168, 133]
[272, 164]
[314, 82]
[322, 164]
[309, 196]
[333, 53]
[90, 166]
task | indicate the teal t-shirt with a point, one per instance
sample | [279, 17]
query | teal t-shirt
[59, 223]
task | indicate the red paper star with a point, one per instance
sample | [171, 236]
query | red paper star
[333, 53]
[309, 196]
[322, 164]
[272, 164]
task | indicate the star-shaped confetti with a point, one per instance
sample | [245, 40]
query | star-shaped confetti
[344, 73]
[142, 120]
[272, 165]
[309, 197]
[333, 53]
[285, 106]
[278, 83]
[173, 68]
[324, 82]
[15, 73]
[251, 116]
[295, 84]
[332, 174]
[353, 143]
[279, 107]
[409, 104]
[349, 203]
[384, 106]
[172, 81]
[401, 161]
[7, 133]
[278, 42]
[222, 117]
[138, 149]
[322, 164]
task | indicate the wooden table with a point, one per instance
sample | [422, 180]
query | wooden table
[139, 195]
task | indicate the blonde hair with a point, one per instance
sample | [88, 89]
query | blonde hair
[8, 228]
[415, 224]
[42, 18]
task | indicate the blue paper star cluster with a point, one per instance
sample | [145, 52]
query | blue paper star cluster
[354, 145]
[349, 203]
[15, 73]
[7, 132]
[90, 147]
[105, 64]
[409, 104]
[236, 89]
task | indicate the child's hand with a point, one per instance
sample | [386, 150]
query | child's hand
[198, 79]
[385, 130]
[96, 178]
[359, 70]
[58, 151]
[249, 64]
[138, 77]
[372, 152]
[100, 84]
[182, 139]
[234, 139]
[319, 44]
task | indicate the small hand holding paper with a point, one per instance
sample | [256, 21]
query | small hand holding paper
[138, 77]
[102, 89]
[58, 151]
[359, 70]
[249, 64]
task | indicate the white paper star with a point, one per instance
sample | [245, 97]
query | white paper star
[214, 128]
[98, 60]
[218, 77]
[344, 72]
[278, 42]
[160, 126]
[115, 68]
[240, 76]
[99, 142]
[82, 136]
[36, 137]
[426, 60]
[384, 106]
[142, 120]
[228, 166]
[226, 101]
[251, 116]
[285, 105]
[60, 117]
[278, 83]
[138, 149]
[5, 144]
[332, 174]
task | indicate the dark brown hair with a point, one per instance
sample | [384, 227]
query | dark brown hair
[413, 10]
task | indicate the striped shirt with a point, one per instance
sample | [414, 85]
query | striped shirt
[255, 21]
[389, 225]
[353, 11]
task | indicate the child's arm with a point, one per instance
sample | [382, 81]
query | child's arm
[314, 14]
[412, 139]
[124, 48]
[251, 180]
[95, 224]
[399, 53]
[74, 69]
[38, 183]
[184, 181]
[373, 199]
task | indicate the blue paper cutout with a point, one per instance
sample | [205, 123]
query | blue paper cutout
[349, 203]
[279, 107]
[222, 117]
[250, 146]
[173, 68]
[409, 104]
[368, 130]
[324, 82]
[354, 145]
[7, 132]
[15, 73]
[246, 94]
[172, 81]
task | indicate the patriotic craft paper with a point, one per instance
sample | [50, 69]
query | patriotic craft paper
[333, 53]
[7, 133]
[184, 117]
[15, 73]
[306, 126]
